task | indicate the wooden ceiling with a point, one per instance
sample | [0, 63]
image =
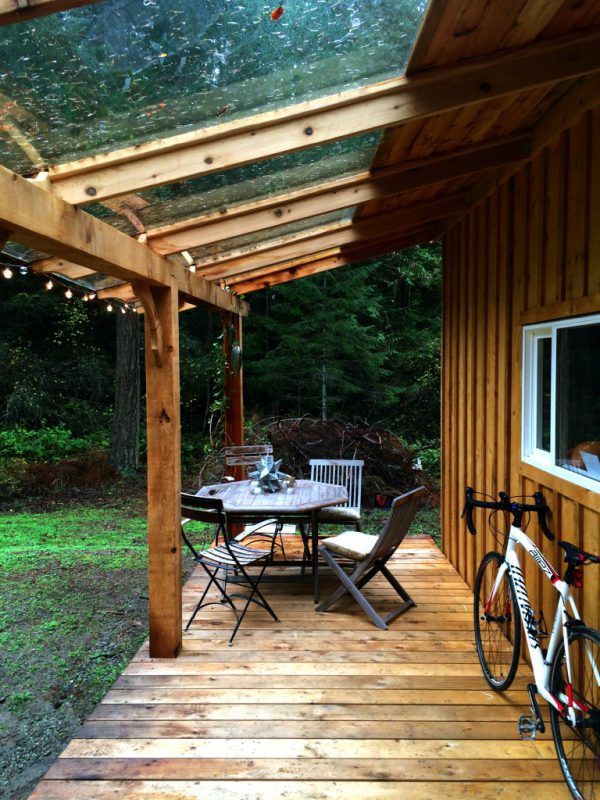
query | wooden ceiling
[487, 84]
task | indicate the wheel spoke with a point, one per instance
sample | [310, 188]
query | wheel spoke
[495, 629]
[578, 747]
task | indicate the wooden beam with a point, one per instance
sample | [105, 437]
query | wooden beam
[234, 391]
[40, 220]
[164, 477]
[153, 326]
[335, 195]
[581, 97]
[18, 10]
[58, 266]
[383, 105]
[347, 233]
[283, 273]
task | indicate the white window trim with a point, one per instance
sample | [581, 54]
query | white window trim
[530, 454]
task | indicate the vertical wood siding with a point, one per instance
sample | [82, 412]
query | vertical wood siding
[531, 246]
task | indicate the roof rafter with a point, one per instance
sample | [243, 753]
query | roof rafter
[336, 195]
[18, 10]
[326, 237]
[38, 219]
[323, 262]
[581, 97]
[383, 105]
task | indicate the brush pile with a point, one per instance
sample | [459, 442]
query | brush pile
[389, 469]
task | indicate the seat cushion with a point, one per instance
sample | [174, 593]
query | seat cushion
[339, 514]
[351, 544]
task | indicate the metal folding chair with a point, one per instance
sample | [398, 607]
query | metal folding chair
[223, 560]
[372, 554]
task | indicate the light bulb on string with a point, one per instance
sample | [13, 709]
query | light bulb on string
[109, 307]
[192, 268]
[23, 269]
[123, 310]
[49, 285]
[68, 294]
[92, 295]
[85, 298]
[7, 273]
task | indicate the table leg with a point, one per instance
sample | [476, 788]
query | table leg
[315, 552]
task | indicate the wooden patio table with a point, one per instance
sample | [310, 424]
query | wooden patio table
[300, 504]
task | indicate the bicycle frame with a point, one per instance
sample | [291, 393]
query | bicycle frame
[541, 663]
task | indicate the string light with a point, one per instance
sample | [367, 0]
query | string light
[192, 268]
[49, 284]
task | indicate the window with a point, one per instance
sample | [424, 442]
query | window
[561, 399]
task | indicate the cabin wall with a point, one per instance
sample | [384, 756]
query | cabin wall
[529, 252]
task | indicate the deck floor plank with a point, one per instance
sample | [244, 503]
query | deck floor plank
[321, 706]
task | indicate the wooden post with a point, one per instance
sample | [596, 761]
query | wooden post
[234, 390]
[164, 472]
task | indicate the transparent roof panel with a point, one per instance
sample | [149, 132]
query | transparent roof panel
[124, 71]
[221, 190]
[252, 241]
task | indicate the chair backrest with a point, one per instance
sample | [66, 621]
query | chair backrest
[247, 455]
[397, 525]
[203, 509]
[341, 472]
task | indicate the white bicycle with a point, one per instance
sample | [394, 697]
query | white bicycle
[567, 671]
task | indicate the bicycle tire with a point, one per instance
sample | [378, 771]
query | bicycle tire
[578, 749]
[498, 641]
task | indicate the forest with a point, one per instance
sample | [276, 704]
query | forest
[358, 344]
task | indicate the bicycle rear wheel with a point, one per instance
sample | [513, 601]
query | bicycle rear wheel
[497, 624]
[578, 746]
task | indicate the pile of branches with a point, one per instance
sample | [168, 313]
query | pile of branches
[389, 468]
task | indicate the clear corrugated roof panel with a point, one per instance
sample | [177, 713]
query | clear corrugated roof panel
[252, 241]
[223, 190]
[124, 71]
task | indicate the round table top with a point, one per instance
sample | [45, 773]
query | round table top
[305, 496]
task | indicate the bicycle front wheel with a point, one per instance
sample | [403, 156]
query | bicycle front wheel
[497, 628]
[578, 745]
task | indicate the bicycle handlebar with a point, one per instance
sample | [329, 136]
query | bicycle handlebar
[506, 504]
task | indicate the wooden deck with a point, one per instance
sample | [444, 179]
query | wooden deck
[319, 706]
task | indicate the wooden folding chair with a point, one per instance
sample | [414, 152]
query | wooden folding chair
[372, 553]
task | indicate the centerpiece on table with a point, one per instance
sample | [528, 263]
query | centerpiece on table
[267, 475]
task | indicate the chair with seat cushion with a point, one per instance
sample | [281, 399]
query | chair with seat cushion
[371, 554]
[341, 472]
[224, 560]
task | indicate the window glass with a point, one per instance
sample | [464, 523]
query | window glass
[544, 396]
[578, 399]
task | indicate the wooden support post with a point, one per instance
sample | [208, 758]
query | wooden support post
[164, 474]
[234, 390]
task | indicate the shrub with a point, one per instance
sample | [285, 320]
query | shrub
[47, 444]
[84, 472]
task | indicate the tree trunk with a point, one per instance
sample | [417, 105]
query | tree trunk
[125, 446]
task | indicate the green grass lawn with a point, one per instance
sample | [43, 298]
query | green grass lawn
[73, 612]
[73, 609]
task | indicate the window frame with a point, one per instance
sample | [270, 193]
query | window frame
[533, 335]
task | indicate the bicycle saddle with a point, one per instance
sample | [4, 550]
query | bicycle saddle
[574, 554]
